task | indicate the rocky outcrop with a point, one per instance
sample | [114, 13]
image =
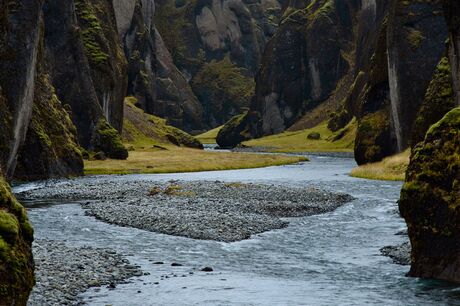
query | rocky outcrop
[430, 199]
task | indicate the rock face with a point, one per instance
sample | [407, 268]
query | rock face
[416, 41]
[203, 35]
[19, 45]
[452, 12]
[93, 79]
[429, 201]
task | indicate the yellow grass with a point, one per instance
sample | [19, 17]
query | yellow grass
[297, 141]
[392, 168]
[176, 159]
[209, 137]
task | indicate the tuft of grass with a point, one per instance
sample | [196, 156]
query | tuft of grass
[210, 136]
[180, 159]
[297, 141]
[392, 168]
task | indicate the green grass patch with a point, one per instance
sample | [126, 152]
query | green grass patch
[174, 159]
[209, 137]
[392, 168]
[298, 141]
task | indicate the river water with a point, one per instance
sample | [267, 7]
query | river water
[329, 259]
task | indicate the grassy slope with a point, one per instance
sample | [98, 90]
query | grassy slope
[209, 137]
[297, 141]
[152, 152]
[392, 168]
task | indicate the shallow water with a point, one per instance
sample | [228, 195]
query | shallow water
[329, 259]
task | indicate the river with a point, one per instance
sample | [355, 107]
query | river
[328, 259]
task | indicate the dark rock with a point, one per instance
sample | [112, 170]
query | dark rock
[417, 33]
[207, 269]
[175, 264]
[314, 136]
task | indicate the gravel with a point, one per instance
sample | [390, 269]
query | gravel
[63, 272]
[399, 253]
[200, 210]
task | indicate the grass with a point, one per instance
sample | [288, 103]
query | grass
[175, 159]
[392, 168]
[209, 137]
[297, 141]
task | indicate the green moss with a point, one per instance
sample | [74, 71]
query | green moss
[91, 33]
[16, 263]
[9, 225]
[107, 140]
[223, 88]
[439, 99]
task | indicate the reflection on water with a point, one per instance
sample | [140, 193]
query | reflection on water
[330, 259]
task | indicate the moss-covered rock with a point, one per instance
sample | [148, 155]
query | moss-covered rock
[51, 147]
[439, 99]
[16, 262]
[371, 144]
[430, 201]
[235, 131]
[107, 140]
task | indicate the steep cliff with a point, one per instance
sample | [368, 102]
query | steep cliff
[86, 64]
[416, 41]
[430, 199]
[200, 34]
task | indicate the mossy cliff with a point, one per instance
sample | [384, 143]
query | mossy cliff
[16, 262]
[83, 34]
[430, 199]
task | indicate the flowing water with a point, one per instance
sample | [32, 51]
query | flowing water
[329, 259]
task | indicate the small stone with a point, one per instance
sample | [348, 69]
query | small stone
[158, 263]
[175, 264]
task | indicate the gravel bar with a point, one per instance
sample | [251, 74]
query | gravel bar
[209, 210]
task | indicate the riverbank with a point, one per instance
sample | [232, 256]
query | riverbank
[392, 168]
[171, 159]
[200, 210]
[63, 272]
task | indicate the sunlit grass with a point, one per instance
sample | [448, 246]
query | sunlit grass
[392, 168]
[176, 159]
[209, 137]
[298, 142]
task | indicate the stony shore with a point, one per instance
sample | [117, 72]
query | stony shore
[200, 210]
[63, 272]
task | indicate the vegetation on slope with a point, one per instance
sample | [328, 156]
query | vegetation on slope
[299, 141]
[210, 136]
[392, 168]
